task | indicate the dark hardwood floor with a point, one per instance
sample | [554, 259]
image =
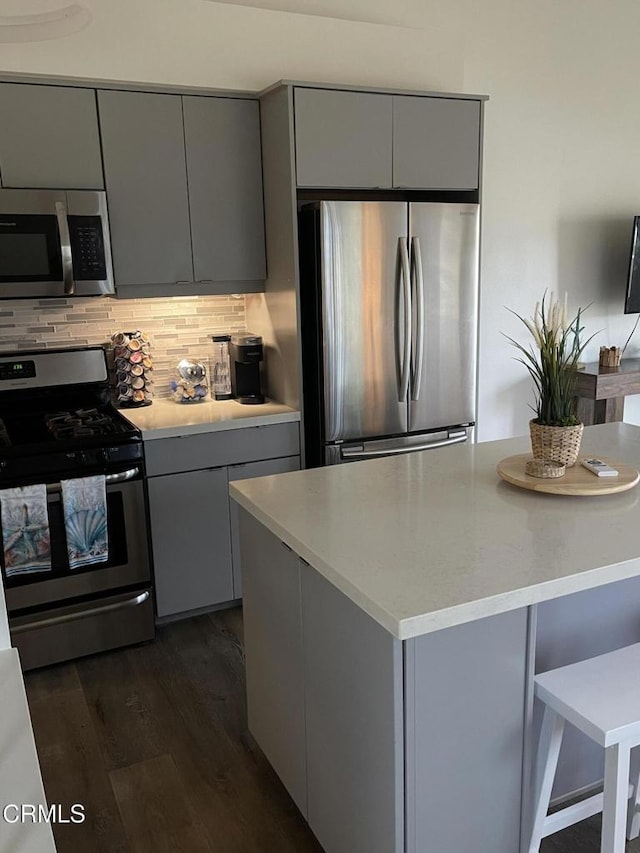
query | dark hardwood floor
[153, 741]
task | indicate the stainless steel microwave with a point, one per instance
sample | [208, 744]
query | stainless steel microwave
[54, 243]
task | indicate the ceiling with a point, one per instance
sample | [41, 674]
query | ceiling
[43, 24]
[246, 44]
[402, 13]
[398, 13]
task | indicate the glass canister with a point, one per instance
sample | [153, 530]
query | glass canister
[221, 367]
[191, 384]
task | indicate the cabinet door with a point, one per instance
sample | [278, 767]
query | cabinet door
[245, 472]
[274, 654]
[49, 137]
[354, 724]
[343, 139]
[191, 541]
[224, 168]
[146, 178]
[436, 143]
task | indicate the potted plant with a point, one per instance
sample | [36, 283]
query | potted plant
[552, 361]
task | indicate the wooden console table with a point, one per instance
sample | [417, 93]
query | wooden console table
[601, 391]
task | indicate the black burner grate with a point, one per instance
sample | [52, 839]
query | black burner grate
[79, 423]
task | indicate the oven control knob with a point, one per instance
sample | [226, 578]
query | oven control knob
[104, 456]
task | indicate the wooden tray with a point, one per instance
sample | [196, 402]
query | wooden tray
[577, 480]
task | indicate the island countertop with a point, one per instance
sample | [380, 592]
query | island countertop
[434, 539]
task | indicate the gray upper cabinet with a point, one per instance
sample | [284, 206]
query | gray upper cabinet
[224, 168]
[146, 180]
[49, 137]
[343, 139]
[370, 140]
[436, 143]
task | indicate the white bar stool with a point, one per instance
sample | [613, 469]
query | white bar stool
[601, 697]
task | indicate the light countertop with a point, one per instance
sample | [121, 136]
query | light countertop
[166, 419]
[20, 780]
[434, 539]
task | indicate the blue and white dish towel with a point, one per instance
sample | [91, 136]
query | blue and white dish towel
[25, 530]
[85, 520]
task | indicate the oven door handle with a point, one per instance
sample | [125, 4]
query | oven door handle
[110, 479]
[83, 614]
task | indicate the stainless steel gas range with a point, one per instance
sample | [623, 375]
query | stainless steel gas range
[58, 426]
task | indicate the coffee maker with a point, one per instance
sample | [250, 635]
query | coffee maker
[246, 353]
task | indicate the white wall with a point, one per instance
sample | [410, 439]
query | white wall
[561, 176]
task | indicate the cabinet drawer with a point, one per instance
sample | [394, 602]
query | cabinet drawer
[215, 449]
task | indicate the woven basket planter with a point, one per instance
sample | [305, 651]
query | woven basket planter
[556, 443]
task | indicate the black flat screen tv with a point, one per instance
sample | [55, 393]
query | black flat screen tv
[632, 302]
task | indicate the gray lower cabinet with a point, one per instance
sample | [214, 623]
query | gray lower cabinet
[146, 179]
[49, 137]
[274, 660]
[245, 472]
[374, 140]
[386, 746]
[191, 540]
[194, 524]
[224, 169]
[464, 729]
[353, 722]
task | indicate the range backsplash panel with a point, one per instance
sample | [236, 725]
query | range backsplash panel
[178, 327]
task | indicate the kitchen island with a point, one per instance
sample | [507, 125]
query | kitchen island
[396, 611]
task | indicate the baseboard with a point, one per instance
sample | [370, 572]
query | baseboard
[578, 794]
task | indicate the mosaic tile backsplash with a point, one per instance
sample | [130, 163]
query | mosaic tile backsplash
[179, 327]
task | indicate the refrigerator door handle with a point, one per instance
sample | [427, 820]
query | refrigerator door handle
[362, 453]
[406, 290]
[416, 267]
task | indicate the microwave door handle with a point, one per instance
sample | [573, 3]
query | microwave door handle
[419, 281]
[65, 248]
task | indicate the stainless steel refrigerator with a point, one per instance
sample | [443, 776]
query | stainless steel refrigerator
[389, 311]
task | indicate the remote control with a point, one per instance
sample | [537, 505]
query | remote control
[599, 468]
